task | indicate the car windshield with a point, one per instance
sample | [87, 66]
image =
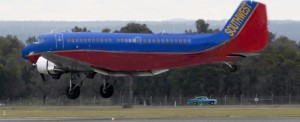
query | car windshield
[201, 97]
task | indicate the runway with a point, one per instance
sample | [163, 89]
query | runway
[156, 119]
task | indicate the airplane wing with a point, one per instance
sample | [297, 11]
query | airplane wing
[72, 65]
[67, 64]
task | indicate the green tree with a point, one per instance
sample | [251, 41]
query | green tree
[133, 27]
[11, 65]
[78, 29]
[202, 26]
[276, 71]
[190, 31]
[106, 30]
[31, 40]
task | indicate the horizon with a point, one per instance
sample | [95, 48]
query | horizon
[167, 20]
[136, 10]
[25, 29]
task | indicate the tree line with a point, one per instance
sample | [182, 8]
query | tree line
[274, 72]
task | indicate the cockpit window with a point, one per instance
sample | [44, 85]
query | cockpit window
[38, 41]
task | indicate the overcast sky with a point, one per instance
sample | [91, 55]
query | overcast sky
[139, 10]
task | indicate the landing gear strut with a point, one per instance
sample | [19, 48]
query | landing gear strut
[106, 90]
[230, 67]
[73, 90]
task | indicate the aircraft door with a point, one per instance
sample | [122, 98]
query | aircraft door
[59, 41]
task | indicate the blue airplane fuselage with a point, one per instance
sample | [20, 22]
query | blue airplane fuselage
[245, 32]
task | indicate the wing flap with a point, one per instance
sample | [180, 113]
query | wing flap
[135, 73]
[245, 54]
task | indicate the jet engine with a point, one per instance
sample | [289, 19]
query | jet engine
[46, 67]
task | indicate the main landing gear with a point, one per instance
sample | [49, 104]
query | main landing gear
[230, 67]
[73, 90]
[106, 90]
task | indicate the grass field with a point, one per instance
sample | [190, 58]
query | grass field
[190, 111]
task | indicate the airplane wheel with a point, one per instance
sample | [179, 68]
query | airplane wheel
[74, 93]
[233, 68]
[106, 92]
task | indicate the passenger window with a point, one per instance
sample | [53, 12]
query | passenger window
[158, 41]
[129, 40]
[149, 41]
[85, 40]
[110, 40]
[171, 41]
[137, 40]
[68, 40]
[189, 41]
[73, 41]
[144, 40]
[81, 40]
[167, 40]
[184, 41]
[89, 40]
[180, 41]
[176, 41]
[153, 41]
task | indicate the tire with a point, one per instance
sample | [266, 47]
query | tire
[195, 103]
[233, 68]
[109, 91]
[73, 94]
[211, 103]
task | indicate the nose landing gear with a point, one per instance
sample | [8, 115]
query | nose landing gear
[230, 67]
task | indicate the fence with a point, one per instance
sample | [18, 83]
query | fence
[149, 101]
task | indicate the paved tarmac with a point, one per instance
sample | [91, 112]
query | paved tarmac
[155, 119]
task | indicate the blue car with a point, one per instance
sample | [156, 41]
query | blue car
[201, 100]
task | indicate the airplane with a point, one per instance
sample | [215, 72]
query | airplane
[85, 54]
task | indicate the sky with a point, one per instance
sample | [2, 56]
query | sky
[137, 10]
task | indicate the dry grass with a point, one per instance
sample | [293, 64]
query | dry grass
[192, 111]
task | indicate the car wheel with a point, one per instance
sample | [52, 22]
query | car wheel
[211, 103]
[195, 103]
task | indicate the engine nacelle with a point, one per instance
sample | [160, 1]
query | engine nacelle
[45, 67]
